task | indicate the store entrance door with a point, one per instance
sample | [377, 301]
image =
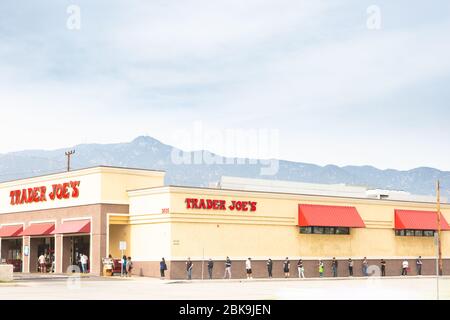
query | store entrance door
[45, 247]
[79, 245]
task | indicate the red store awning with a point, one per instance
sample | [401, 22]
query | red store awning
[311, 215]
[418, 220]
[39, 229]
[78, 226]
[11, 231]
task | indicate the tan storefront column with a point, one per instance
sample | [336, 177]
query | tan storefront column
[98, 247]
[58, 253]
[26, 259]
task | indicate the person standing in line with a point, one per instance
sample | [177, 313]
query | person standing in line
[321, 269]
[83, 261]
[301, 269]
[78, 261]
[86, 260]
[350, 267]
[52, 259]
[419, 265]
[41, 260]
[109, 264]
[286, 267]
[334, 267]
[124, 266]
[47, 262]
[129, 266]
[162, 267]
[248, 268]
[210, 268]
[405, 266]
[365, 266]
[269, 267]
[383, 267]
[227, 268]
[189, 266]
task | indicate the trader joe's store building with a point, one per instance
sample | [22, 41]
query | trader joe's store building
[92, 210]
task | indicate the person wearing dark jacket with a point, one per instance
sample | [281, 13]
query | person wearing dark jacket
[210, 268]
[334, 267]
[269, 267]
[162, 267]
[286, 267]
[383, 267]
[124, 266]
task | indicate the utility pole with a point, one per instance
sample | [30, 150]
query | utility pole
[68, 155]
[438, 191]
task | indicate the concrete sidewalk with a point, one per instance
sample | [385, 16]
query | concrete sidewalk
[300, 279]
[64, 276]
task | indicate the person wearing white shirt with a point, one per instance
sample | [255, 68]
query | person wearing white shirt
[83, 260]
[41, 261]
[248, 268]
[405, 266]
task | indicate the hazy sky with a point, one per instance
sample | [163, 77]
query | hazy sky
[311, 73]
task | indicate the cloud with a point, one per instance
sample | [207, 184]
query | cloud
[305, 68]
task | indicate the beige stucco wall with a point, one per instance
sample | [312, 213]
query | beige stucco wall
[119, 233]
[115, 183]
[150, 241]
[149, 201]
[272, 229]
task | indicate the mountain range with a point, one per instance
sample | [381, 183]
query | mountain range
[147, 152]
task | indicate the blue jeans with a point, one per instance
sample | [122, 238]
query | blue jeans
[84, 267]
[189, 274]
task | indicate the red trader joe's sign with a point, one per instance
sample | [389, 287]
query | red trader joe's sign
[58, 191]
[210, 204]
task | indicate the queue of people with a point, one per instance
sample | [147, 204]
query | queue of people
[286, 267]
[111, 265]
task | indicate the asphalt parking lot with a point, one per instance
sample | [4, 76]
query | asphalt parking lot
[137, 288]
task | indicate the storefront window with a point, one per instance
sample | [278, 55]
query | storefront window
[306, 230]
[342, 230]
[318, 230]
[324, 230]
[415, 233]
